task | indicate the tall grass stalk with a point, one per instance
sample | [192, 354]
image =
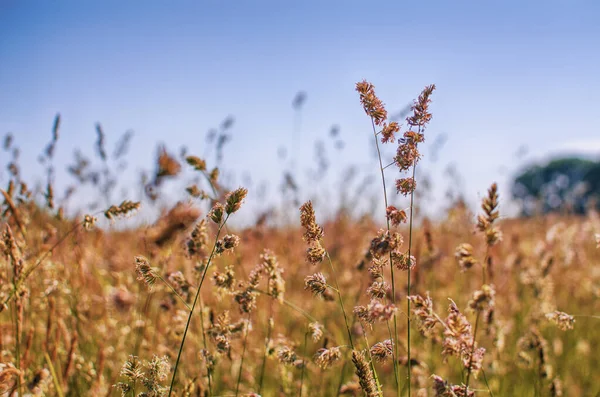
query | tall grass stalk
[394, 336]
[189, 320]
[410, 230]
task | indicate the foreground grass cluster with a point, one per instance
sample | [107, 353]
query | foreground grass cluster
[468, 305]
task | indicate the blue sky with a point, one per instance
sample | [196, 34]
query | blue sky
[508, 74]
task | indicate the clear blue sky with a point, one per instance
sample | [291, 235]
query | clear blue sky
[509, 73]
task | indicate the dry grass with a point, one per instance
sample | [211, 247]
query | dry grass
[190, 307]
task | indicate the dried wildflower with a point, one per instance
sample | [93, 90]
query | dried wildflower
[563, 320]
[388, 132]
[395, 216]
[316, 283]
[534, 341]
[196, 162]
[443, 389]
[132, 369]
[324, 358]
[423, 310]
[89, 222]
[464, 256]
[123, 209]
[405, 186]
[234, 200]
[198, 239]
[376, 269]
[458, 338]
[371, 103]
[316, 331]
[286, 355]
[145, 272]
[381, 351]
[167, 165]
[313, 232]
[483, 299]
[485, 221]
[216, 213]
[420, 108]
[276, 283]
[196, 192]
[374, 311]
[246, 299]
[378, 289]
[228, 243]
[224, 281]
[402, 261]
[365, 376]
[384, 243]
[315, 253]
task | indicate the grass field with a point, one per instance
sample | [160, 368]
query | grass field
[468, 304]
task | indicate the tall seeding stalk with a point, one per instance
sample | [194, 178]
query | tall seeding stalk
[406, 159]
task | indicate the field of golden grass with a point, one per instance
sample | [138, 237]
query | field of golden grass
[468, 304]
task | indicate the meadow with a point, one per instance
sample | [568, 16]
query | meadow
[472, 303]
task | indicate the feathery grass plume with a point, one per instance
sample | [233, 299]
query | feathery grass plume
[167, 165]
[313, 232]
[216, 213]
[316, 283]
[197, 244]
[316, 331]
[315, 253]
[145, 272]
[228, 243]
[534, 342]
[234, 200]
[403, 261]
[443, 389]
[483, 299]
[365, 376]
[423, 310]
[375, 311]
[220, 332]
[276, 283]
[324, 358]
[378, 289]
[405, 186]
[458, 335]
[123, 209]
[464, 256]
[395, 216]
[381, 351]
[371, 103]
[89, 222]
[225, 281]
[286, 355]
[485, 221]
[563, 320]
[196, 162]
[384, 243]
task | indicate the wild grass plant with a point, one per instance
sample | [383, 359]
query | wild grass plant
[469, 304]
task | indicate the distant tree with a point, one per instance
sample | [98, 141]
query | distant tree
[571, 184]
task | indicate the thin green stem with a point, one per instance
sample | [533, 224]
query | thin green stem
[394, 337]
[471, 356]
[486, 383]
[208, 371]
[239, 379]
[267, 341]
[341, 300]
[304, 362]
[189, 320]
[410, 230]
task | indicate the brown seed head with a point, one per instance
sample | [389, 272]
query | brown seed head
[371, 103]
